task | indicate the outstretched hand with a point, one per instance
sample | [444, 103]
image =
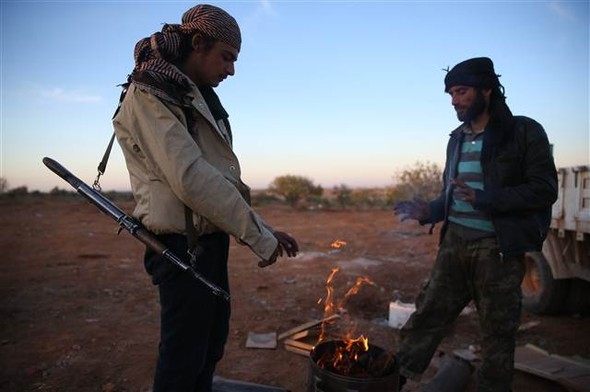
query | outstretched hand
[287, 245]
[463, 191]
[412, 209]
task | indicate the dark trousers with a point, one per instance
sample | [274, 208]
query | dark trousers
[194, 323]
[467, 270]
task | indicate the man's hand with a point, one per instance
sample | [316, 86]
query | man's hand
[287, 244]
[412, 209]
[463, 191]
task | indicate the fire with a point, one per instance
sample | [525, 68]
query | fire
[349, 353]
[346, 356]
[329, 306]
[338, 244]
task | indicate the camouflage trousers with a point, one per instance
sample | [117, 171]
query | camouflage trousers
[464, 271]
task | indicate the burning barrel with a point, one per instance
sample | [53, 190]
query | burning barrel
[351, 366]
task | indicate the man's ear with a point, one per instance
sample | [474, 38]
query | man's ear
[486, 92]
[196, 42]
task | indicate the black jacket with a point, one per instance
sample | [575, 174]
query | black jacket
[520, 183]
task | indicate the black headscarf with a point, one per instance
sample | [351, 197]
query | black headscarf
[476, 72]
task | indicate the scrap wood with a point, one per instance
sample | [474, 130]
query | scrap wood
[302, 342]
[307, 325]
[303, 338]
[566, 371]
[296, 350]
[298, 346]
[303, 334]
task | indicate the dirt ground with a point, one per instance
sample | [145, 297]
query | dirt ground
[78, 312]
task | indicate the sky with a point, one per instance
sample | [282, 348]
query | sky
[341, 92]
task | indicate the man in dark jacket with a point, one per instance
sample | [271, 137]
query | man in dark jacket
[499, 183]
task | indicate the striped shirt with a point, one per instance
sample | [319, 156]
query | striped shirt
[469, 171]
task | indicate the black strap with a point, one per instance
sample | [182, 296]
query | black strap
[194, 248]
[192, 239]
[102, 166]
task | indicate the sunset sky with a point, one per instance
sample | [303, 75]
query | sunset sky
[342, 92]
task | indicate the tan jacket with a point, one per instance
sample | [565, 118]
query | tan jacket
[170, 167]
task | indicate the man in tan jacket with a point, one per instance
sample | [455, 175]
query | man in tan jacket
[185, 177]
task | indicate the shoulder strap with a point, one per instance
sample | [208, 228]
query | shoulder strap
[191, 234]
[102, 166]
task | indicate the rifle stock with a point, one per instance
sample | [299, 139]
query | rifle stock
[128, 223]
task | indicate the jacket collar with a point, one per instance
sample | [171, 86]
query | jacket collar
[497, 131]
[198, 102]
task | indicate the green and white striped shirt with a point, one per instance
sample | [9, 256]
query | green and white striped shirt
[469, 171]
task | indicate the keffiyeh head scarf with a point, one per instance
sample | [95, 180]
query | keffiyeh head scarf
[154, 55]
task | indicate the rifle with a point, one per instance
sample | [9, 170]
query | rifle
[128, 223]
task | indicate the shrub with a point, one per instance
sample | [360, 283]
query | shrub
[295, 188]
[263, 198]
[368, 199]
[3, 185]
[423, 180]
[18, 192]
[343, 195]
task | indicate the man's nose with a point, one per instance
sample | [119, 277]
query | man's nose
[231, 70]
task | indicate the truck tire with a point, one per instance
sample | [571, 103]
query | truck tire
[541, 294]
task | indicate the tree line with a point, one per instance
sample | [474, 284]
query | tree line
[422, 180]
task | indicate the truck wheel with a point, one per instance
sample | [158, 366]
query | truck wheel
[541, 294]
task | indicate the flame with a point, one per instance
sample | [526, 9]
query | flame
[346, 355]
[329, 307]
[338, 244]
[356, 288]
[349, 353]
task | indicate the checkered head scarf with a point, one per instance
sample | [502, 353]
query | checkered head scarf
[156, 54]
[212, 22]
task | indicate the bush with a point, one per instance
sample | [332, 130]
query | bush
[55, 191]
[368, 199]
[295, 188]
[423, 180]
[18, 192]
[343, 196]
[3, 185]
[262, 198]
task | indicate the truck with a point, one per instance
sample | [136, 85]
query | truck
[558, 278]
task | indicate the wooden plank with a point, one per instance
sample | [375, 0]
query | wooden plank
[563, 370]
[296, 350]
[307, 325]
[299, 344]
[302, 334]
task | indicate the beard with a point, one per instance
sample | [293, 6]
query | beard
[477, 107]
